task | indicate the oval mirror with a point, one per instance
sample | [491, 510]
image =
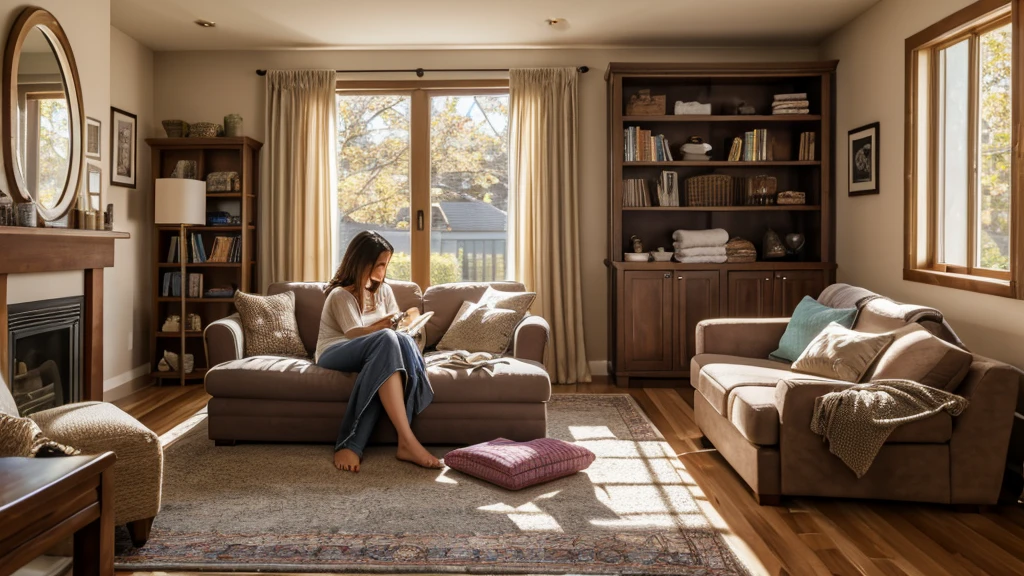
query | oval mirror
[42, 101]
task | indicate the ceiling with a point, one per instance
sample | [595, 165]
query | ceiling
[166, 25]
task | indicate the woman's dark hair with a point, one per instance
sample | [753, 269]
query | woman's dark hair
[360, 258]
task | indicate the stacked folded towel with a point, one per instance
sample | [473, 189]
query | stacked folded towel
[740, 250]
[796, 103]
[700, 246]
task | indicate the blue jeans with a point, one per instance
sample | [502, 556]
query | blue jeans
[376, 357]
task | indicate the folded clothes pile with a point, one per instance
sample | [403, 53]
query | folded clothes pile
[700, 246]
[740, 250]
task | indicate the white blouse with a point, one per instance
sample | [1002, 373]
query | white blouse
[342, 313]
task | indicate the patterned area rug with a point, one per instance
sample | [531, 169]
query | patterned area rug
[267, 507]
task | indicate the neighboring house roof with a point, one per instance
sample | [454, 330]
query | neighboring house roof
[474, 216]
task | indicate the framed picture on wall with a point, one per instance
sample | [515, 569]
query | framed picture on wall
[94, 186]
[863, 160]
[123, 134]
[93, 138]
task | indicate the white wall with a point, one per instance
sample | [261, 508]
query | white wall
[205, 86]
[869, 232]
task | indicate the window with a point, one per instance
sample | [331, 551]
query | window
[962, 190]
[427, 167]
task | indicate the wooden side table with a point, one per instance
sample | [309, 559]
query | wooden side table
[44, 500]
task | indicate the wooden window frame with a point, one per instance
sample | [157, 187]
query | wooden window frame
[921, 214]
[420, 92]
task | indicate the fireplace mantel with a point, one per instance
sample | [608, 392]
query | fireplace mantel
[32, 250]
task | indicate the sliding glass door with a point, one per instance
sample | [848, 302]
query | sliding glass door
[428, 169]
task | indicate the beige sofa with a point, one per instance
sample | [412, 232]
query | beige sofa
[758, 416]
[266, 398]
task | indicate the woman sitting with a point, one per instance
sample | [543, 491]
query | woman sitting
[357, 334]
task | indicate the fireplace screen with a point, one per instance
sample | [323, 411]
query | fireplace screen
[45, 341]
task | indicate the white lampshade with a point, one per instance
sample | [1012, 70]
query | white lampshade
[180, 201]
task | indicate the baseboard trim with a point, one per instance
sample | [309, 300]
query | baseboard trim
[125, 383]
[598, 367]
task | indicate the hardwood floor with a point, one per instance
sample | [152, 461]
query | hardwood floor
[804, 536]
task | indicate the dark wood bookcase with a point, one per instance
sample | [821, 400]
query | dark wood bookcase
[239, 155]
[655, 306]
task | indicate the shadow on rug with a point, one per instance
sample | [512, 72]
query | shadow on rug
[283, 507]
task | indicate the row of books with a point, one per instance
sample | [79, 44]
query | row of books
[806, 146]
[225, 249]
[793, 103]
[642, 146]
[635, 193]
[757, 147]
[172, 285]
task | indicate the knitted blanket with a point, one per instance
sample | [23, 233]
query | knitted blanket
[461, 359]
[856, 421]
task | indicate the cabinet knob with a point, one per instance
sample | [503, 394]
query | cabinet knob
[783, 277]
[668, 275]
[767, 279]
[679, 278]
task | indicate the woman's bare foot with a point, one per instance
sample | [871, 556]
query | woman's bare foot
[346, 460]
[417, 454]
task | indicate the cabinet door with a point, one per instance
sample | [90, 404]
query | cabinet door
[696, 300]
[750, 294]
[647, 321]
[792, 285]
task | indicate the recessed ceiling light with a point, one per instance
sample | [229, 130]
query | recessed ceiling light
[205, 24]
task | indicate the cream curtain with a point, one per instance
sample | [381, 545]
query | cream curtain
[544, 223]
[297, 211]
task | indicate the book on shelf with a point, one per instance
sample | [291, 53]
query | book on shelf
[196, 250]
[736, 150]
[795, 103]
[635, 193]
[220, 292]
[171, 284]
[642, 146]
[757, 146]
[668, 189]
[226, 249]
[195, 285]
[806, 146]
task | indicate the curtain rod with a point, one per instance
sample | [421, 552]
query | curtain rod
[421, 71]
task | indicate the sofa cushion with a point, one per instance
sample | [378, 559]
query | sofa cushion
[289, 379]
[445, 300]
[481, 328]
[269, 325]
[752, 411]
[717, 381]
[919, 356]
[841, 354]
[699, 361]
[808, 320]
[517, 465]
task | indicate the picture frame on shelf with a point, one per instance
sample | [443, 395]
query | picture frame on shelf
[123, 145]
[93, 186]
[863, 160]
[93, 138]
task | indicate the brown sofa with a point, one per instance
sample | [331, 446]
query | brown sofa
[757, 414]
[267, 398]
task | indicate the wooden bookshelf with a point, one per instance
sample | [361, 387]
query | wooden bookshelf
[654, 307]
[239, 155]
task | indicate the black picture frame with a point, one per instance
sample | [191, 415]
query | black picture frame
[93, 139]
[863, 160]
[124, 145]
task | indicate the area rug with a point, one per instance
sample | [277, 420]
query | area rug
[284, 508]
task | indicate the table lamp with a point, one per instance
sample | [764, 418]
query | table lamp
[180, 202]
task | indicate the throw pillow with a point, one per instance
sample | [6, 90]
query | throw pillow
[518, 301]
[22, 437]
[841, 354]
[917, 355]
[268, 324]
[516, 465]
[480, 328]
[808, 320]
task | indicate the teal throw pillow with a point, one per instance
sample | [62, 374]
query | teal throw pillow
[808, 320]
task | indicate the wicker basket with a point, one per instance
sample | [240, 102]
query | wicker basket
[205, 130]
[175, 128]
[710, 190]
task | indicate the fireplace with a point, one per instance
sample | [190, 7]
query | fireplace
[46, 353]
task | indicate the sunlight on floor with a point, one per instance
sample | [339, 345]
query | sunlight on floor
[528, 517]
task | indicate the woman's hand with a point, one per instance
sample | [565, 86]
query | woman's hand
[410, 315]
[381, 324]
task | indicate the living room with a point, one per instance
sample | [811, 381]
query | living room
[673, 360]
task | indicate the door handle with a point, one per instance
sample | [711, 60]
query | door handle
[419, 220]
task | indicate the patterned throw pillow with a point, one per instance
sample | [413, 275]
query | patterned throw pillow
[22, 437]
[517, 465]
[269, 325]
[480, 328]
[518, 301]
[841, 354]
[808, 320]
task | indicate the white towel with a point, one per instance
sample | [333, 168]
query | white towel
[701, 251]
[700, 238]
[702, 259]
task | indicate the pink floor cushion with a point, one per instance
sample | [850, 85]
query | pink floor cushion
[516, 465]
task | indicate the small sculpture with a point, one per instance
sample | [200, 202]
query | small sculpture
[661, 255]
[794, 242]
[772, 245]
[172, 324]
[695, 149]
[163, 366]
[745, 109]
[638, 245]
[692, 108]
[172, 360]
[185, 169]
[193, 323]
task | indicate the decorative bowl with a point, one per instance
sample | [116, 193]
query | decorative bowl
[205, 130]
[637, 256]
[175, 128]
[661, 256]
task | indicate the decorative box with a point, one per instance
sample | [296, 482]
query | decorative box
[643, 104]
[222, 182]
